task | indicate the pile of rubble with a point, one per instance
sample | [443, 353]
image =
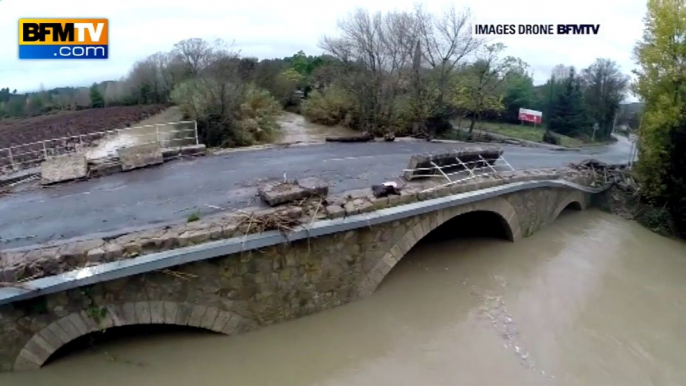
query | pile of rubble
[604, 174]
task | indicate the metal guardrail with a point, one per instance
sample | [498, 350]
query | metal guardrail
[171, 134]
[461, 171]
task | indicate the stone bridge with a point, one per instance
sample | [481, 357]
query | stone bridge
[239, 283]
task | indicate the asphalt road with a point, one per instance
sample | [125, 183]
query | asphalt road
[171, 192]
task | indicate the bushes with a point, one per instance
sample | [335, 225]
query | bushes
[257, 116]
[229, 115]
[331, 106]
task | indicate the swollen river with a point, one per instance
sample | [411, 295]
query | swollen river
[590, 300]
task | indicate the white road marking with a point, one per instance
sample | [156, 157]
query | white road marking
[349, 158]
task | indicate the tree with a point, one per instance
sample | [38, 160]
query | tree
[96, 98]
[567, 114]
[35, 104]
[16, 106]
[661, 84]
[519, 93]
[374, 50]
[479, 88]
[444, 42]
[604, 89]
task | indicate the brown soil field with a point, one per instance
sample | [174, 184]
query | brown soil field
[15, 132]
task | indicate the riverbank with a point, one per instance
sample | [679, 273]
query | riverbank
[625, 201]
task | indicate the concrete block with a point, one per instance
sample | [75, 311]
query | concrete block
[64, 168]
[192, 150]
[314, 186]
[140, 156]
[279, 192]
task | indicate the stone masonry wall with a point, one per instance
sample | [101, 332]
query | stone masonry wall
[238, 293]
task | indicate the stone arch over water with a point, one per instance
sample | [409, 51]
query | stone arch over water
[575, 200]
[497, 208]
[38, 350]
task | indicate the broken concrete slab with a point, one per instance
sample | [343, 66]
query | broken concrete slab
[279, 192]
[275, 193]
[139, 156]
[192, 150]
[466, 154]
[315, 186]
[64, 168]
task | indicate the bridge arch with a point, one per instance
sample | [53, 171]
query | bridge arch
[499, 207]
[575, 200]
[57, 334]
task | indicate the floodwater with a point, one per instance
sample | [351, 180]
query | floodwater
[167, 128]
[295, 128]
[591, 300]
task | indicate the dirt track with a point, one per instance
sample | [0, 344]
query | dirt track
[68, 123]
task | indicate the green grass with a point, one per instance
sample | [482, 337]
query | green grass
[525, 132]
[195, 216]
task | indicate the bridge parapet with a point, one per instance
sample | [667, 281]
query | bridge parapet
[238, 271]
[19, 264]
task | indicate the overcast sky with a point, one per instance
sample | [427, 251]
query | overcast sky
[277, 28]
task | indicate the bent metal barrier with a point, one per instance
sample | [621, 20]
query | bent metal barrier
[170, 134]
[241, 283]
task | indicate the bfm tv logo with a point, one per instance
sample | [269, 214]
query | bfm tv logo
[63, 39]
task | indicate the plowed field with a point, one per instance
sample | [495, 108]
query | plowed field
[68, 123]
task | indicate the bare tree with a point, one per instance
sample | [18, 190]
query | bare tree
[560, 72]
[195, 53]
[376, 50]
[446, 41]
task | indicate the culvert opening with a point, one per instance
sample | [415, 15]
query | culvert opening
[101, 341]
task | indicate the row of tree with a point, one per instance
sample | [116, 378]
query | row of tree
[661, 56]
[409, 72]
[416, 71]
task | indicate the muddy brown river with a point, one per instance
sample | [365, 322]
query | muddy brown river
[591, 300]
